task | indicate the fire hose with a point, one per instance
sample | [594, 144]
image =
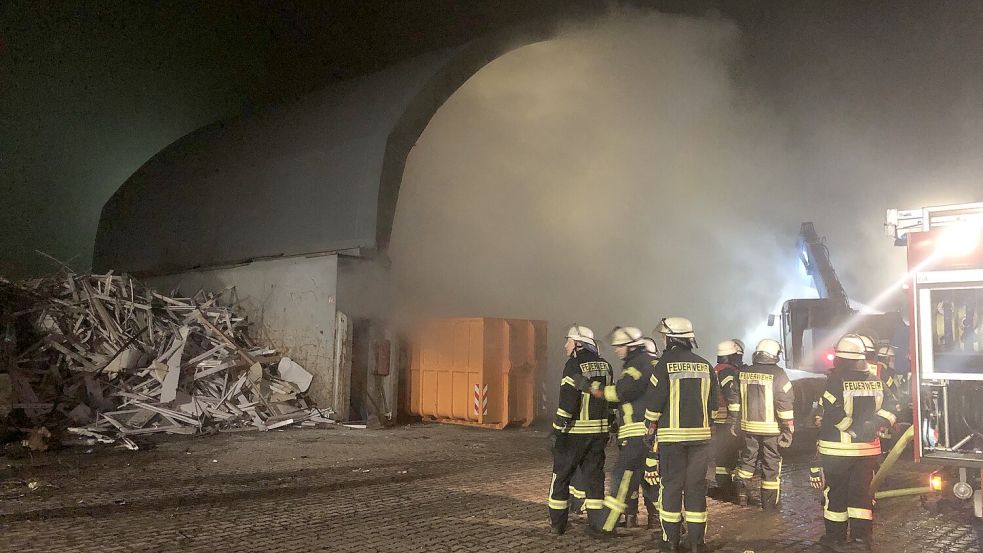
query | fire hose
[888, 463]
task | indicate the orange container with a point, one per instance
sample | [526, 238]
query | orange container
[481, 371]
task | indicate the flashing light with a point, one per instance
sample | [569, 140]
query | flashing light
[959, 239]
[935, 482]
[830, 357]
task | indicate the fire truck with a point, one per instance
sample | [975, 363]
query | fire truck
[944, 283]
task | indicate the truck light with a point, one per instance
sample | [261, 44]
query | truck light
[935, 481]
[959, 239]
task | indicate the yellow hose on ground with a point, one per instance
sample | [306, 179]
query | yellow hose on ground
[902, 492]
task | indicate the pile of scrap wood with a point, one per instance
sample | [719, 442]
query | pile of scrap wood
[106, 358]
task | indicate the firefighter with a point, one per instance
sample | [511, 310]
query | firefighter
[681, 400]
[628, 393]
[765, 403]
[578, 495]
[891, 380]
[855, 405]
[726, 446]
[650, 480]
[579, 430]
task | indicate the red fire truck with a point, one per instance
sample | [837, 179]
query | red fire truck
[944, 283]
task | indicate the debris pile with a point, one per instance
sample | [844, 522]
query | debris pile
[106, 358]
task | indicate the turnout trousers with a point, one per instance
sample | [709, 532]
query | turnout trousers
[726, 452]
[626, 478]
[573, 452]
[761, 449]
[847, 501]
[683, 469]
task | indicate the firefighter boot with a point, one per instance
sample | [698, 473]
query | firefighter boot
[599, 534]
[558, 529]
[628, 521]
[830, 543]
[741, 493]
[700, 548]
[653, 521]
[769, 501]
[668, 547]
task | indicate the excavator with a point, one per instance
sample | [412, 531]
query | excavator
[810, 326]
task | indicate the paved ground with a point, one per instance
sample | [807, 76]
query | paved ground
[420, 488]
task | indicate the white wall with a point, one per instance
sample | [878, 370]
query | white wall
[291, 305]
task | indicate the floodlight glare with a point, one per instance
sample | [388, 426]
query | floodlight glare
[959, 239]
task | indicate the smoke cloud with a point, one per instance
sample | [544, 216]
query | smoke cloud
[631, 170]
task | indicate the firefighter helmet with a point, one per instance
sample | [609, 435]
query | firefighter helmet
[851, 347]
[579, 333]
[886, 351]
[727, 347]
[650, 345]
[868, 343]
[676, 327]
[767, 351]
[625, 336]
[740, 345]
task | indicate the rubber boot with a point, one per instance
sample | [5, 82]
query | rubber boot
[558, 529]
[769, 501]
[653, 522]
[628, 521]
[599, 534]
[741, 493]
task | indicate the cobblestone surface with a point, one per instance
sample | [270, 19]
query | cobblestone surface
[420, 488]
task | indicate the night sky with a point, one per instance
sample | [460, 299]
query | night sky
[89, 91]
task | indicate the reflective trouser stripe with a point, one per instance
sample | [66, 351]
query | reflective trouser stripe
[743, 474]
[617, 504]
[865, 514]
[769, 485]
[594, 503]
[577, 493]
[722, 471]
[696, 517]
[666, 516]
[557, 504]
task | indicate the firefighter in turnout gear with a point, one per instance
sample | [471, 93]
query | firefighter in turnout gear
[765, 402]
[628, 393]
[578, 495]
[681, 401]
[892, 383]
[856, 405]
[725, 444]
[580, 430]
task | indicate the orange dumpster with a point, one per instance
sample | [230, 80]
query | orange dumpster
[477, 371]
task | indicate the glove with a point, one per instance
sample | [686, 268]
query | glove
[652, 477]
[866, 432]
[785, 438]
[816, 477]
[733, 428]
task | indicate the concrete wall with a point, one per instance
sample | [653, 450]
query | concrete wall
[291, 303]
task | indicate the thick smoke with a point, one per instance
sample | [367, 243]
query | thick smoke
[627, 171]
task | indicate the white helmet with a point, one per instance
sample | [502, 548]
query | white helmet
[727, 347]
[676, 327]
[767, 351]
[851, 347]
[579, 333]
[867, 341]
[625, 336]
[740, 345]
[650, 345]
[886, 350]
